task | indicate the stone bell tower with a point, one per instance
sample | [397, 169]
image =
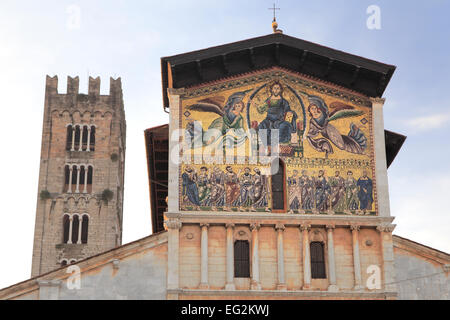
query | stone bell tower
[81, 180]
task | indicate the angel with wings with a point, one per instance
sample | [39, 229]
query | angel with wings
[355, 141]
[230, 124]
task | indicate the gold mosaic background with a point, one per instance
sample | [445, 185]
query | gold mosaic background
[321, 129]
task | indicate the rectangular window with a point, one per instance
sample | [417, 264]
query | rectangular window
[317, 261]
[241, 259]
[278, 188]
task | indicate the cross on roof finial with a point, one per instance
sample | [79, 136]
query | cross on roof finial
[274, 22]
[274, 8]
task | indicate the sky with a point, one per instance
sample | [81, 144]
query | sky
[128, 38]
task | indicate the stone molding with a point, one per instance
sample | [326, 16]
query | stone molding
[386, 228]
[305, 227]
[288, 293]
[377, 100]
[176, 91]
[173, 224]
[274, 218]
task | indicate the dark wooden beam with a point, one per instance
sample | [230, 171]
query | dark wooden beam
[251, 57]
[173, 71]
[329, 66]
[302, 59]
[355, 75]
[198, 66]
[225, 64]
[277, 53]
[381, 85]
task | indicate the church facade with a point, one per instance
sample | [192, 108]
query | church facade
[269, 182]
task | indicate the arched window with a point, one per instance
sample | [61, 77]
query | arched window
[84, 229]
[92, 140]
[80, 138]
[69, 137]
[77, 138]
[317, 260]
[81, 176]
[63, 263]
[241, 259]
[85, 138]
[278, 188]
[75, 228]
[74, 178]
[66, 228]
[66, 178]
[89, 178]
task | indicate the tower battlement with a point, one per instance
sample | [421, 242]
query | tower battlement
[73, 86]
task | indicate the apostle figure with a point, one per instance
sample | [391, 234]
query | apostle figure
[279, 115]
[307, 191]
[337, 184]
[190, 191]
[351, 192]
[365, 192]
[295, 195]
[259, 191]
[203, 185]
[323, 191]
[246, 184]
[217, 193]
[231, 188]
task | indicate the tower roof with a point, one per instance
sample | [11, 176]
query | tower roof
[363, 75]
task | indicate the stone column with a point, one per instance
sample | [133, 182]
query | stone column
[80, 148]
[80, 227]
[280, 250]
[86, 170]
[356, 258]
[331, 261]
[173, 226]
[230, 258]
[69, 190]
[381, 177]
[69, 241]
[77, 190]
[88, 147]
[73, 139]
[255, 282]
[387, 250]
[204, 257]
[174, 148]
[306, 257]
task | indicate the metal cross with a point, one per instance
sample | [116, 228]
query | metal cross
[274, 8]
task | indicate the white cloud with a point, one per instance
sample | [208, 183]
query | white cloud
[426, 123]
[420, 205]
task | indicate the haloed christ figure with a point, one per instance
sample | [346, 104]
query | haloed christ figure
[279, 115]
